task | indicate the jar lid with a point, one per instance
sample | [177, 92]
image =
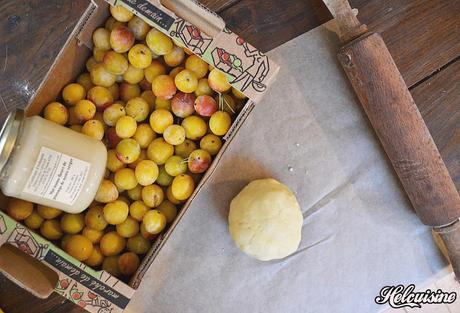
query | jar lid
[9, 134]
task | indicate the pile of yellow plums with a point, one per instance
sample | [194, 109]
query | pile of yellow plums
[161, 111]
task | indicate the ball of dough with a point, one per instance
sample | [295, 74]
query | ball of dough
[265, 220]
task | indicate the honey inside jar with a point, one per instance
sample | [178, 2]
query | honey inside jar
[49, 164]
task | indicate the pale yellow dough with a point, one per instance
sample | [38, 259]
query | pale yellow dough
[265, 220]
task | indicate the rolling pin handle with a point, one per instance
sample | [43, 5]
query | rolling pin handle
[450, 236]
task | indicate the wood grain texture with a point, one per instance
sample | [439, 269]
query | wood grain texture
[268, 24]
[28, 47]
[421, 35]
[438, 99]
[32, 33]
[401, 129]
[218, 5]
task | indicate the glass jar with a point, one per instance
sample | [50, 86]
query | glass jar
[49, 164]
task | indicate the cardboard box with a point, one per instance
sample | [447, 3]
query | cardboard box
[247, 69]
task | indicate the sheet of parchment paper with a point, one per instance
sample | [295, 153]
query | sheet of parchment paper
[359, 233]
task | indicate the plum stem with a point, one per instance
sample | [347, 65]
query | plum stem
[223, 101]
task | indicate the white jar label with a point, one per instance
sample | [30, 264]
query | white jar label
[57, 176]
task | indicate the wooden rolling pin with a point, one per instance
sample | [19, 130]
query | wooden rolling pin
[399, 125]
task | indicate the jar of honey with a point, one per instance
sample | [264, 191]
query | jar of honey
[49, 164]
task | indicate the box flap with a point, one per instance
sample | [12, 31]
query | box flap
[27, 272]
[247, 69]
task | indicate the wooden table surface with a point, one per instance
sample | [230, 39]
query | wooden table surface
[422, 35]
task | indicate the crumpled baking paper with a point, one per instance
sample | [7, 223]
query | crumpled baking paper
[359, 233]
